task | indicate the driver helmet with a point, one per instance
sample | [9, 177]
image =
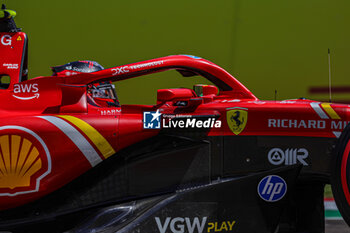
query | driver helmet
[76, 67]
[103, 92]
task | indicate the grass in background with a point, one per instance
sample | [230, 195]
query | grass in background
[328, 191]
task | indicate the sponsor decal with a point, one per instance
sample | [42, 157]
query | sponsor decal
[73, 70]
[189, 121]
[6, 40]
[306, 124]
[76, 69]
[339, 125]
[231, 101]
[220, 226]
[26, 91]
[25, 161]
[10, 66]
[68, 73]
[121, 70]
[272, 188]
[258, 102]
[126, 69]
[19, 38]
[148, 64]
[110, 112]
[329, 119]
[287, 102]
[151, 120]
[191, 225]
[237, 119]
[290, 156]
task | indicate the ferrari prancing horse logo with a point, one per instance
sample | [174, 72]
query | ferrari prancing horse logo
[237, 120]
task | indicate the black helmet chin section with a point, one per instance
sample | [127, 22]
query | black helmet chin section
[78, 66]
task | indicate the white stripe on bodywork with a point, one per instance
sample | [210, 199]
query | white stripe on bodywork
[318, 110]
[75, 136]
[337, 134]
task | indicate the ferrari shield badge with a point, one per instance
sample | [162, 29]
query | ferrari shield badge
[237, 120]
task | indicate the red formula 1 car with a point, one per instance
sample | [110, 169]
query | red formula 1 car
[211, 159]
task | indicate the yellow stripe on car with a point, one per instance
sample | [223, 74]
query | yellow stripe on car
[100, 142]
[330, 111]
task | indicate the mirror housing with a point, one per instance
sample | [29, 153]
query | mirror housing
[165, 95]
[205, 90]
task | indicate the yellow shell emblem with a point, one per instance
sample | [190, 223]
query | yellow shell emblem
[19, 161]
[237, 120]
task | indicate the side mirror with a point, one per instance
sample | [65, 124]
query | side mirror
[165, 95]
[205, 90]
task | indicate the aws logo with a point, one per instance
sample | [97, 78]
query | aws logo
[26, 91]
[24, 161]
[237, 119]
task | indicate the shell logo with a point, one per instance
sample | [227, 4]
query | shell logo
[24, 161]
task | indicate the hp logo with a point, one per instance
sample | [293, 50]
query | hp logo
[272, 188]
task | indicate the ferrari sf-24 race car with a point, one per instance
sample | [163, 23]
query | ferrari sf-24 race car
[210, 159]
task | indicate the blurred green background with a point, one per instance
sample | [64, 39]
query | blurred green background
[267, 44]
